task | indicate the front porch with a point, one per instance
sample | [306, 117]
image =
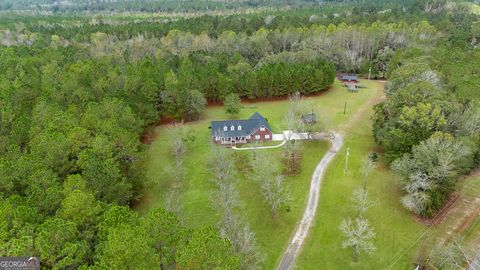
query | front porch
[233, 140]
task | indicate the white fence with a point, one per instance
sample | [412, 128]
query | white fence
[289, 135]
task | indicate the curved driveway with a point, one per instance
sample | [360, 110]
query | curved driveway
[291, 254]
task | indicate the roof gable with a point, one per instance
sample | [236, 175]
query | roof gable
[350, 77]
[309, 118]
[263, 121]
[257, 115]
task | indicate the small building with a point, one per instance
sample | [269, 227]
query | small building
[352, 87]
[349, 78]
[309, 118]
[232, 132]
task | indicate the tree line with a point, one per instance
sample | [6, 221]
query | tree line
[429, 124]
[86, 6]
[351, 47]
[71, 164]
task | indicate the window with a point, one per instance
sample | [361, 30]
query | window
[248, 137]
[239, 127]
[262, 128]
[267, 136]
[257, 137]
[217, 138]
[225, 128]
[232, 128]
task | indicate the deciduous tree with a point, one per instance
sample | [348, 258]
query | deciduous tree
[232, 104]
[358, 236]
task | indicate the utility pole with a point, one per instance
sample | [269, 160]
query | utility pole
[346, 160]
[369, 72]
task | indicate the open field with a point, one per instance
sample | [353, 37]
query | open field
[395, 228]
[197, 207]
[334, 203]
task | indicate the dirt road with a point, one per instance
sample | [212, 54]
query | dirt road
[301, 232]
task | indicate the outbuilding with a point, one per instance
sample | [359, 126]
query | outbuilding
[349, 78]
[309, 118]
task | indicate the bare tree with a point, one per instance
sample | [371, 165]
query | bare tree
[226, 198]
[292, 119]
[448, 256]
[361, 201]
[368, 165]
[454, 255]
[222, 167]
[275, 193]
[359, 236]
[255, 145]
[266, 173]
[176, 172]
[473, 259]
[178, 147]
[293, 124]
[226, 201]
[264, 166]
[243, 241]
[172, 201]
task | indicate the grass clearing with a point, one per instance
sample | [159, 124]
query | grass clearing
[273, 236]
[395, 228]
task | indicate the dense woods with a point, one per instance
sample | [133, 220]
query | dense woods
[87, 6]
[77, 91]
[436, 121]
[429, 124]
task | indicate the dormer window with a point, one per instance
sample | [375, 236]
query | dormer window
[239, 127]
[225, 128]
[232, 128]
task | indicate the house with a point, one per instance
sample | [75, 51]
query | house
[232, 132]
[349, 78]
[309, 118]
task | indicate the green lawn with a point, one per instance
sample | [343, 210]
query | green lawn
[458, 224]
[395, 228]
[274, 236]
[472, 234]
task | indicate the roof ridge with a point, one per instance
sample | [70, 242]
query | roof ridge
[256, 114]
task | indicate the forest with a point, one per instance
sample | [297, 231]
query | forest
[57, 6]
[79, 87]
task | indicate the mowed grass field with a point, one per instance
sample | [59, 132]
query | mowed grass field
[472, 233]
[394, 226]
